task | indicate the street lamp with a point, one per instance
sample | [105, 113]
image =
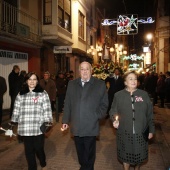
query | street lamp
[99, 52]
[91, 50]
[149, 37]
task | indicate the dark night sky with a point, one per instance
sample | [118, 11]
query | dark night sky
[144, 8]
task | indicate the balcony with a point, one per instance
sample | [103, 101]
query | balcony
[57, 34]
[17, 25]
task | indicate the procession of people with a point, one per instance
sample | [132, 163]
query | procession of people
[82, 103]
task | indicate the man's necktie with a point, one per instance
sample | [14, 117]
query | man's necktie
[83, 83]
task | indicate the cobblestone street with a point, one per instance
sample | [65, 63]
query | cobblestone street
[61, 153]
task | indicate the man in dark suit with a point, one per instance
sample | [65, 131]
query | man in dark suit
[86, 102]
[116, 84]
[14, 81]
[3, 88]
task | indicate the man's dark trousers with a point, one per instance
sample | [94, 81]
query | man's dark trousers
[86, 151]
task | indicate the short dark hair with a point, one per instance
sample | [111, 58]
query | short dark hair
[28, 75]
[15, 67]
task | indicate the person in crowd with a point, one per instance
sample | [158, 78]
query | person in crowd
[61, 90]
[14, 85]
[141, 78]
[115, 84]
[49, 86]
[68, 77]
[145, 82]
[53, 77]
[155, 95]
[160, 89]
[86, 102]
[22, 76]
[150, 86]
[32, 107]
[71, 74]
[131, 112]
[3, 89]
[167, 86]
[139, 85]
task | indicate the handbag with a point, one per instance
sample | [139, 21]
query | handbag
[45, 127]
[145, 133]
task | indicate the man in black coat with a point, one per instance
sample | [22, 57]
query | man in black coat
[116, 83]
[167, 86]
[14, 81]
[86, 102]
[61, 90]
[3, 89]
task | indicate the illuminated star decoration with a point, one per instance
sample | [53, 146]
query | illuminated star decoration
[127, 24]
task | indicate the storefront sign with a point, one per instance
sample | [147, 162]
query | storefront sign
[13, 54]
[62, 49]
[148, 58]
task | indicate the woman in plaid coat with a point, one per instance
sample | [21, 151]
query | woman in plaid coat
[32, 107]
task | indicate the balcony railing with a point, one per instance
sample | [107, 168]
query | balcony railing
[18, 23]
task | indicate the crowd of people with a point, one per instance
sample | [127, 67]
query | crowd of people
[32, 103]
[157, 86]
[125, 99]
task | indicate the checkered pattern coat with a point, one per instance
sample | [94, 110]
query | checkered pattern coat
[31, 109]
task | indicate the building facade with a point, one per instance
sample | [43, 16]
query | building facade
[162, 36]
[32, 30]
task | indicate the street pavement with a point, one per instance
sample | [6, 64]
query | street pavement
[61, 153]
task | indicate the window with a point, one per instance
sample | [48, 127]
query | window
[67, 21]
[60, 16]
[47, 19]
[64, 14]
[9, 16]
[81, 25]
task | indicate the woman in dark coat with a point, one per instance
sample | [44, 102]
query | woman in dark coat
[134, 110]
